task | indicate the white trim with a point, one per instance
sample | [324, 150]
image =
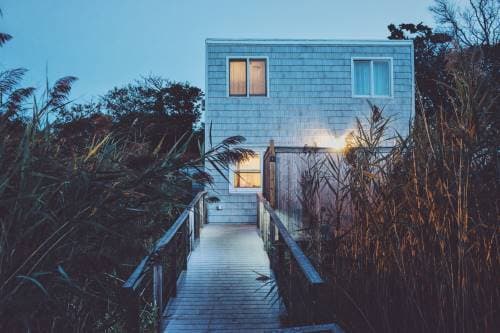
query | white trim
[375, 42]
[206, 141]
[234, 190]
[247, 58]
[372, 85]
[412, 55]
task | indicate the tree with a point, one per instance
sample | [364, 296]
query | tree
[157, 96]
[155, 108]
[149, 111]
[430, 59]
[475, 29]
[477, 23]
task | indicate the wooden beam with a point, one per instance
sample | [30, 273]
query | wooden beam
[272, 174]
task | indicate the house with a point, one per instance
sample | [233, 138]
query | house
[296, 92]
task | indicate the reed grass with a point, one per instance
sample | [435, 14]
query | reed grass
[79, 207]
[413, 234]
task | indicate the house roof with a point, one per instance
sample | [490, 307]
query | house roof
[307, 41]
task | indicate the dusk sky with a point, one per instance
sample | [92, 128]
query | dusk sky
[106, 43]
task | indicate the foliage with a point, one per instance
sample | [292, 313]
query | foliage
[477, 22]
[151, 109]
[430, 50]
[81, 201]
[414, 241]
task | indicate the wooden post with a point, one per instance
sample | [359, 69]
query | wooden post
[173, 260]
[187, 241]
[158, 291]
[272, 174]
[316, 310]
[131, 302]
[191, 230]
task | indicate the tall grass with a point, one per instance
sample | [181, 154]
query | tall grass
[79, 207]
[413, 232]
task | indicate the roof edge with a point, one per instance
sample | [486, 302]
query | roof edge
[263, 41]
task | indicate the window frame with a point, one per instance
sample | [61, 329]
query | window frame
[248, 190]
[229, 77]
[247, 59]
[372, 81]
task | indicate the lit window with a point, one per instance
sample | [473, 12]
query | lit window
[372, 78]
[238, 77]
[247, 173]
[255, 85]
[257, 77]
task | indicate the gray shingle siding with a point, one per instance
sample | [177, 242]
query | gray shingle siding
[310, 92]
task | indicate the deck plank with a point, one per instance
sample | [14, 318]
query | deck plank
[220, 290]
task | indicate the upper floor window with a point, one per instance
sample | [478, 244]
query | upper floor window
[238, 77]
[372, 77]
[248, 77]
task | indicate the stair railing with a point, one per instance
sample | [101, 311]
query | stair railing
[153, 283]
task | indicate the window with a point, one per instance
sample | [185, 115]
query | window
[257, 78]
[247, 174]
[238, 77]
[256, 71]
[372, 77]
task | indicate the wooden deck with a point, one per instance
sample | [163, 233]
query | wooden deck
[220, 290]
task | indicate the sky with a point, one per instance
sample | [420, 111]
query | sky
[108, 43]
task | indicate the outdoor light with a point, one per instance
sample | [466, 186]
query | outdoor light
[332, 142]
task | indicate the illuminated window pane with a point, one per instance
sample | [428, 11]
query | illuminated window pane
[247, 179]
[250, 164]
[247, 173]
[258, 77]
[237, 77]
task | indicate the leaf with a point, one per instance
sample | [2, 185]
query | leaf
[63, 273]
[261, 277]
[95, 149]
[59, 93]
[35, 282]
[4, 38]
[10, 78]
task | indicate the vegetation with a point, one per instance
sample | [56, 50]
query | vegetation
[82, 197]
[412, 240]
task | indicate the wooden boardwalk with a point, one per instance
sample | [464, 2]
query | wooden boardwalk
[220, 290]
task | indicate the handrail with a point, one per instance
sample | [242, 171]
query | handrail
[300, 285]
[182, 235]
[304, 263]
[137, 275]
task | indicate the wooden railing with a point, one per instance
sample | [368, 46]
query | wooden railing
[299, 284]
[153, 283]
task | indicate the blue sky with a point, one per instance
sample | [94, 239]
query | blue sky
[106, 43]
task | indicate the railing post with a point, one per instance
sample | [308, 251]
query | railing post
[272, 175]
[131, 305]
[316, 315]
[187, 241]
[191, 230]
[158, 291]
[173, 260]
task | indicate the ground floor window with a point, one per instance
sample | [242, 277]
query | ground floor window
[247, 174]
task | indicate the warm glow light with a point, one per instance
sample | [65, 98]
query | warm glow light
[335, 143]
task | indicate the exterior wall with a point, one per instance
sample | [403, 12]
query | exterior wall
[310, 96]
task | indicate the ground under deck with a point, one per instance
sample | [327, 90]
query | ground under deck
[220, 290]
